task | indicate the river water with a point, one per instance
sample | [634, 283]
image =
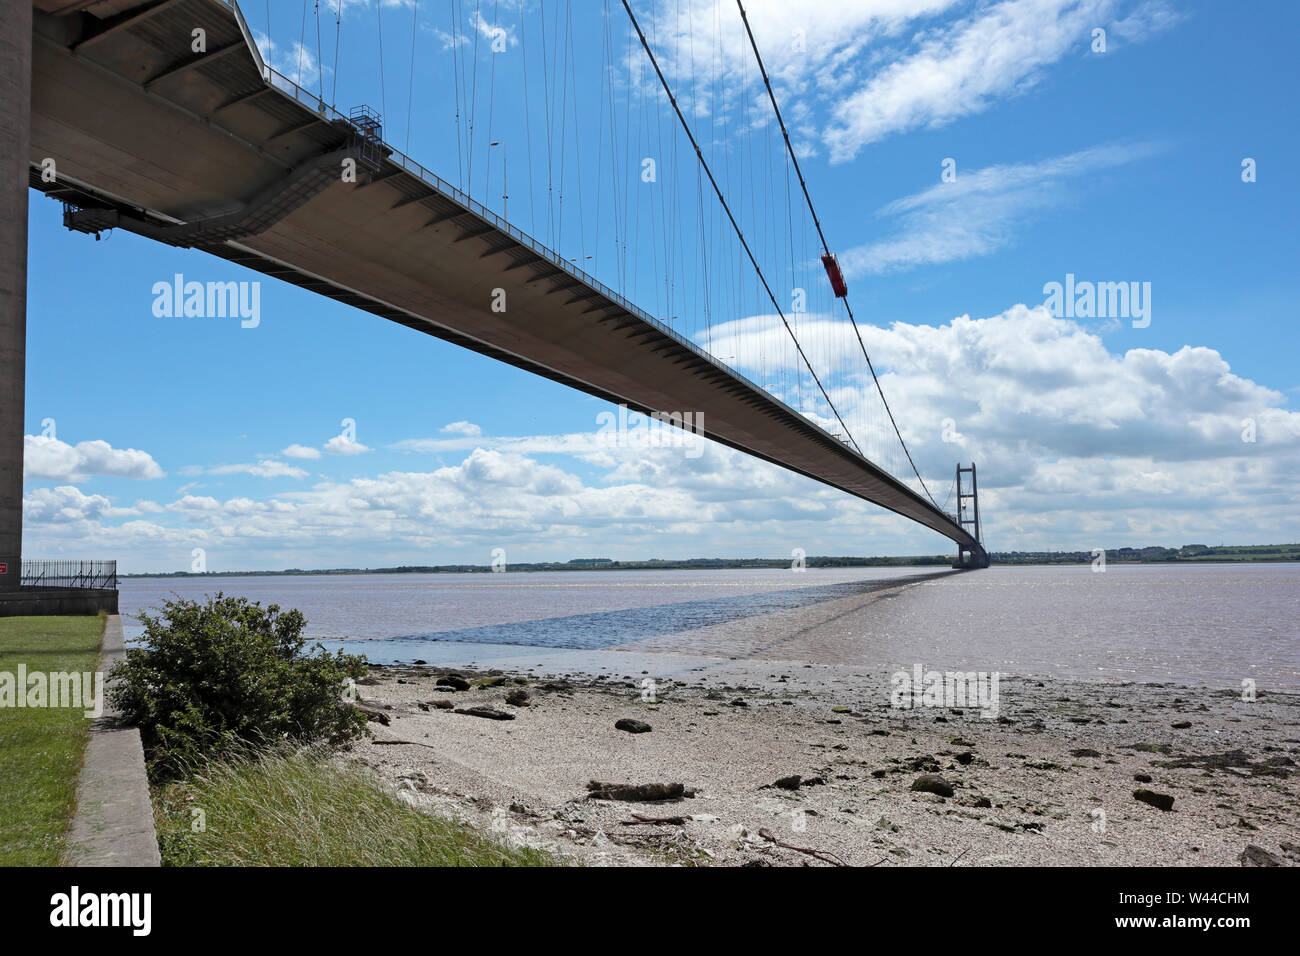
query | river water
[1195, 624]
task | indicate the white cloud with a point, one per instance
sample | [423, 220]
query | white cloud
[488, 31]
[851, 73]
[1024, 387]
[266, 468]
[1078, 447]
[573, 444]
[343, 445]
[63, 505]
[492, 31]
[462, 428]
[979, 212]
[195, 503]
[1000, 51]
[45, 457]
[301, 451]
[294, 60]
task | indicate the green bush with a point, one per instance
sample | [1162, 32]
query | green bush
[217, 678]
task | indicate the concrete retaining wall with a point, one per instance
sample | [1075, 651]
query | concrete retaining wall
[64, 601]
[113, 824]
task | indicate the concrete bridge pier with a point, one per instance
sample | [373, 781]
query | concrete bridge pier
[968, 560]
[15, 149]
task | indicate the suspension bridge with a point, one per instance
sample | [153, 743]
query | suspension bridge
[166, 118]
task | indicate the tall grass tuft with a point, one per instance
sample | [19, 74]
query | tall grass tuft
[307, 808]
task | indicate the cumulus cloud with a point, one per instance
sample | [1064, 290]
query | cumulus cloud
[45, 457]
[344, 445]
[1024, 388]
[301, 451]
[190, 504]
[462, 428]
[1078, 447]
[63, 505]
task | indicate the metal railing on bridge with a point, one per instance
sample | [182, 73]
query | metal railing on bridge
[364, 119]
[368, 125]
[97, 575]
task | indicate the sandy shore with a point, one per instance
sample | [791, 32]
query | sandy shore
[1049, 780]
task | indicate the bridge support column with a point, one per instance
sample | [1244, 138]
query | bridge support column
[15, 149]
[968, 517]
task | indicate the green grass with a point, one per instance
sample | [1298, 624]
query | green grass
[41, 748]
[311, 809]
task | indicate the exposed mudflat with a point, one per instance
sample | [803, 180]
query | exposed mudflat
[1049, 780]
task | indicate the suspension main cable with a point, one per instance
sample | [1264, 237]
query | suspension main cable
[320, 66]
[383, 89]
[302, 37]
[736, 226]
[410, 88]
[338, 37]
[808, 198]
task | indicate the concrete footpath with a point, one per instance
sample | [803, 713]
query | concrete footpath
[113, 823]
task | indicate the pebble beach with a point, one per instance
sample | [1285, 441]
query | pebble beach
[770, 763]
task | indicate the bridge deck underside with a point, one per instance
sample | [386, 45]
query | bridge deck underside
[137, 122]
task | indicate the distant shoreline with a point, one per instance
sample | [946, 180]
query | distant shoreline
[1245, 554]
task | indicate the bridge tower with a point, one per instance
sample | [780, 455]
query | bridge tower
[15, 156]
[968, 517]
[15, 140]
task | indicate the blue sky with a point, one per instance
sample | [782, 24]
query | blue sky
[152, 436]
